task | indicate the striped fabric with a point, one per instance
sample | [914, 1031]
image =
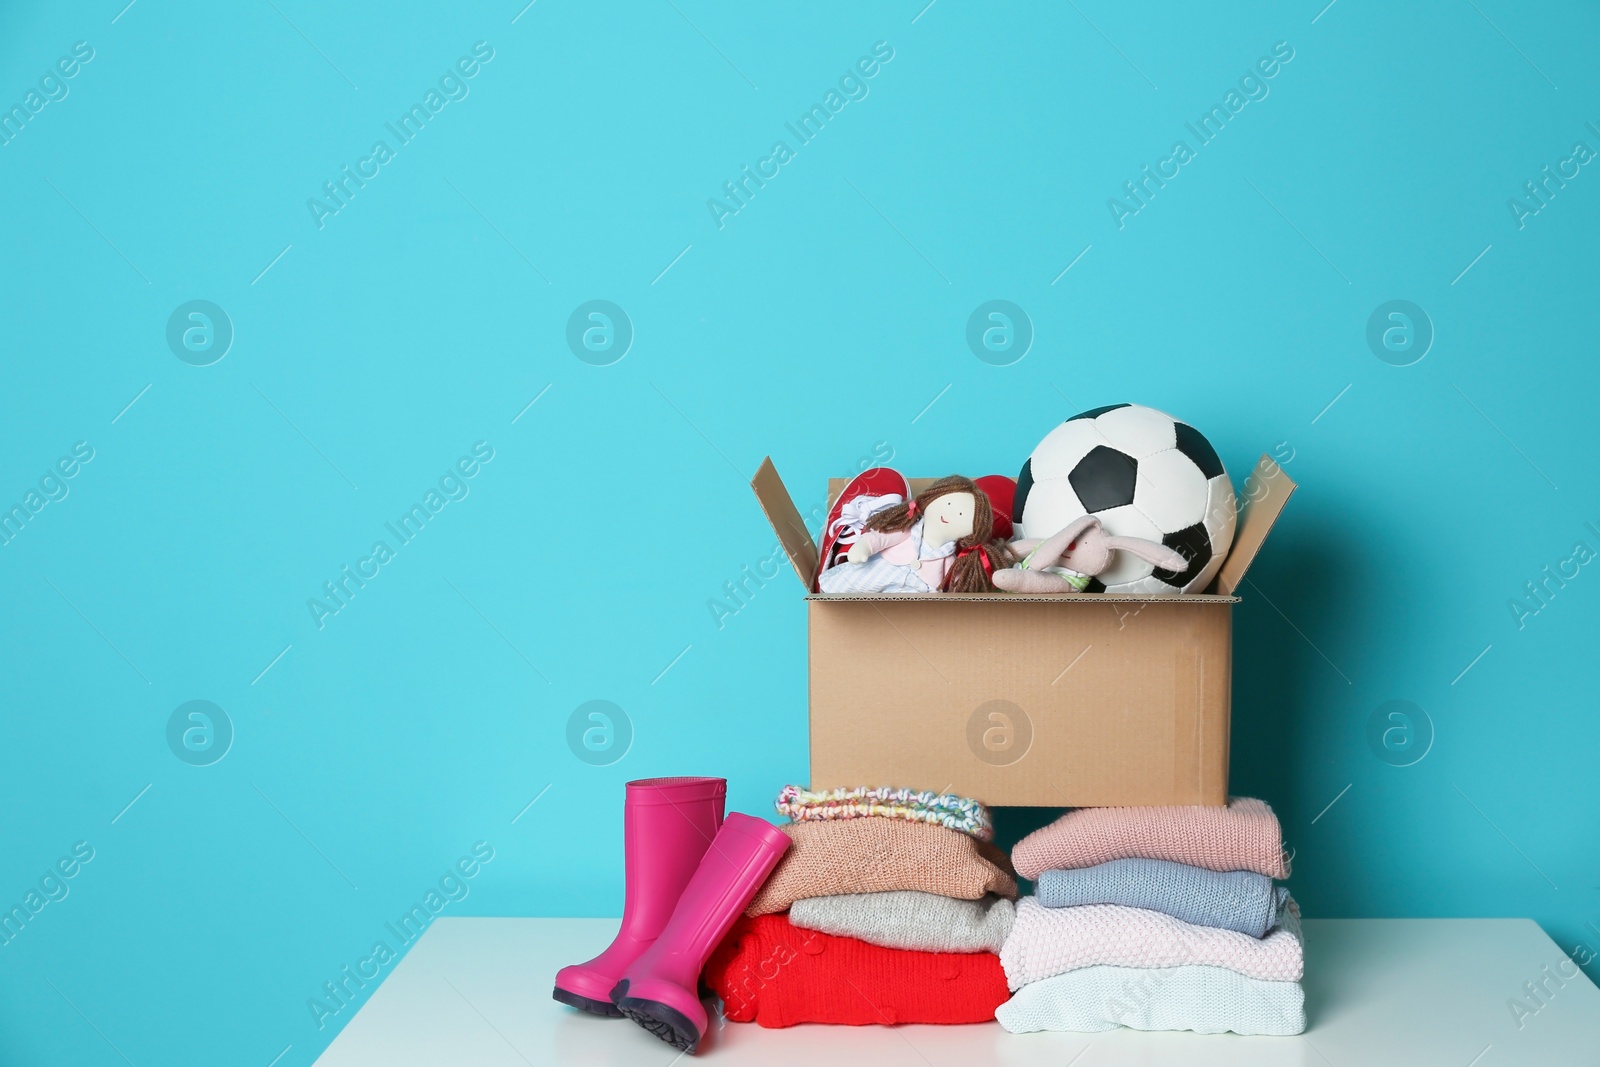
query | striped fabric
[939, 809]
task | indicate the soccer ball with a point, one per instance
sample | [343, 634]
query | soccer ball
[1145, 474]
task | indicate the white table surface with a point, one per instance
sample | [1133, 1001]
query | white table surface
[1378, 991]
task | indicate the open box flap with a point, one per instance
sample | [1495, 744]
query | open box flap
[786, 521]
[1266, 491]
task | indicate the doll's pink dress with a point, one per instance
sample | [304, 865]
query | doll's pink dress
[901, 563]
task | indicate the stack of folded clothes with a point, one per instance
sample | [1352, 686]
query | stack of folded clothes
[1156, 919]
[889, 907]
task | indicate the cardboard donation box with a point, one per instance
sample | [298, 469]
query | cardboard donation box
[1080, 700]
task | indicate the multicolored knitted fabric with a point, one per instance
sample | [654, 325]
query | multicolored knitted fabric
[939, 809]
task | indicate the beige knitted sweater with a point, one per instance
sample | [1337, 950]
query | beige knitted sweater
[873, 855]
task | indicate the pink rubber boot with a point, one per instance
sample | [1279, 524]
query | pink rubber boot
[667, 825]
[659, 990]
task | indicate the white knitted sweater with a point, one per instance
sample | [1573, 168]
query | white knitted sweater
[1208, 1000]
[1049, 941]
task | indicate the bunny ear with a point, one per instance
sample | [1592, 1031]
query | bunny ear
[1072, 530]
[1167, 559]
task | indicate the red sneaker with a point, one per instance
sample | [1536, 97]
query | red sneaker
[868, 493]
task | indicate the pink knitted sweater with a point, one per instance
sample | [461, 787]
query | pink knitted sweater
[1244, 836]
[1045, 942]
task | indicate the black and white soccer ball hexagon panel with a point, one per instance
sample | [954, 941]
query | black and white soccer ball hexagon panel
[1145, 474]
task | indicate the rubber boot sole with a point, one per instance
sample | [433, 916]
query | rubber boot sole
[582, 1003]
[666, 1022]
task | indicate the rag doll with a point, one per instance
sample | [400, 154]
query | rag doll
[1065, 562]
[941, 541]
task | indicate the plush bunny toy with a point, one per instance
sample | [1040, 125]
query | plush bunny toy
[1065, 563]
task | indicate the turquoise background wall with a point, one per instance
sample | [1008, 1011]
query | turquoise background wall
[410, 336]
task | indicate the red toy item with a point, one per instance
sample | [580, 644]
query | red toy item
[871, 490]
[773, 973]
[1002, 494]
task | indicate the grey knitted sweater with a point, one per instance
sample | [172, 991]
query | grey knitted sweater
[1233, 900]
[907, 918]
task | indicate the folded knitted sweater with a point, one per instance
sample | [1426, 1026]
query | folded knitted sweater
[770, 972]
[1244, 836]
[940, 809]
[1208, 1000]
[1045, 942]
[830, 857]
[908, 919]
[1234, 900]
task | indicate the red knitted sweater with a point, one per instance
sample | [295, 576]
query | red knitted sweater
[776, 974]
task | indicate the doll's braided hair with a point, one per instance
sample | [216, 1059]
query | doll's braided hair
[978, 554]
